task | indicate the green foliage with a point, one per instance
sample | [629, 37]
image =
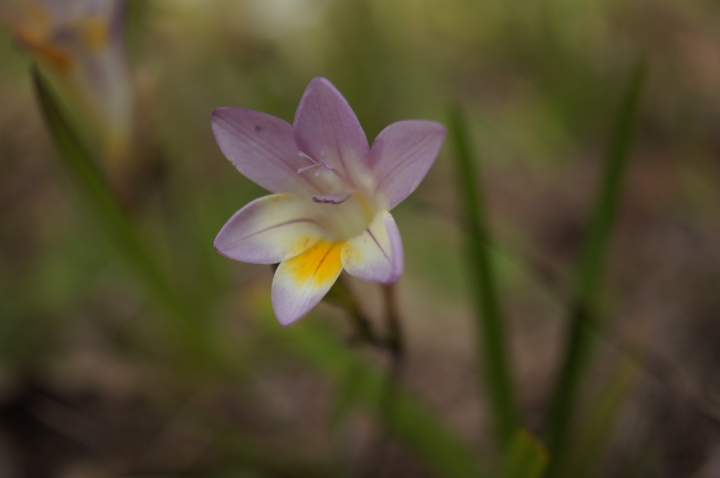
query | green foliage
[525, 457]
[411, 422]
[96, 193]
[583, 316]
[492, 354]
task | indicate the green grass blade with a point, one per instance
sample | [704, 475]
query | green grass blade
[94, 189]
[580, 333]
[412, 423]
[597, 430]
[525, 457]
[491, 343]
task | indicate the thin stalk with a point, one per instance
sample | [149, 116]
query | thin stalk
[491, 342]
[395, 341]
[579, 339]
[388, 402]
[341, 296]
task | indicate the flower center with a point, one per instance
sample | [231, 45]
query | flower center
[342, 209]
[343, 216]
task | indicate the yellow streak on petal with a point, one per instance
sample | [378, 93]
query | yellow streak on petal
[301, 244]
[318, 265]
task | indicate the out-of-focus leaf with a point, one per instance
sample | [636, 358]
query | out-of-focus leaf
[587, 450]
[525, 457]
[580, 333]
[347, 397]
[96, 192]
[411, 423]
[491, 346]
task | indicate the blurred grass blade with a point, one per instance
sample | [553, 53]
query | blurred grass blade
[411, 423]
[597, 430]
[525, 457]
[94, 188]
[347, 396]
[580, 334]
[491, 345]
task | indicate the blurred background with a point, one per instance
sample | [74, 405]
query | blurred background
[98, 380]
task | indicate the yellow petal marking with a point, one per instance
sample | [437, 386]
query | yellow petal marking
[318, 265]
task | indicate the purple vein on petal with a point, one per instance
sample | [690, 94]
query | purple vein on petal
[269, 228]
[274, 158]
[379, 246]
[327, 253]
[261, 151]
[400, 162]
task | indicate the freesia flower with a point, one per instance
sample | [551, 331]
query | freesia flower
[82, 42]
[332, 194]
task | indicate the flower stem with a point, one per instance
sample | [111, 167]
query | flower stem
[393, 343]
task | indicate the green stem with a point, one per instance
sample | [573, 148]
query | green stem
[579, 339]
[395, 342]
[389, 397]
[490, 332]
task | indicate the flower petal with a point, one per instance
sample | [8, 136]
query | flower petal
[376, 255]
[262, 148]
[301, 282]
[269, 230]
[326, 129]
[401, 156]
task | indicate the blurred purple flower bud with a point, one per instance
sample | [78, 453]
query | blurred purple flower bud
[82, 41]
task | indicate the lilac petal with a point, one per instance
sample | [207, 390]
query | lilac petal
[262, 148]
[326, 129]
[269, 230]
[301, 282]
[376, 255]
[401, 156]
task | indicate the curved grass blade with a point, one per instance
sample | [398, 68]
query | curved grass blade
[491, 343]
[579, 339]
[586, 451]
[96, 192]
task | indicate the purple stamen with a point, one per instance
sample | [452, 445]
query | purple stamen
[332, 198]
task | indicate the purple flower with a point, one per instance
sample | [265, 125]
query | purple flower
[332, 194]
[81, 41]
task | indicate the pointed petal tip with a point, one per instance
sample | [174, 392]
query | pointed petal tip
[320, 80]
[401, 156]
[218, 246]
[287, 321]
[218, 112]
[326, 126]
[441, 129]
[284, 315]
